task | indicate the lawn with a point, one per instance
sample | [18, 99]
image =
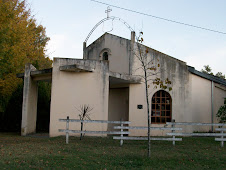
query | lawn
[18, 152]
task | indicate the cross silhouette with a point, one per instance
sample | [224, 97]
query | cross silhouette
[108, 11]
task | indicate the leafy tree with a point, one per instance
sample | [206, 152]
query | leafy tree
[220, 74]
[150, 71]
[207, 69]
[221, 114]
[11, 120]
[21, 41]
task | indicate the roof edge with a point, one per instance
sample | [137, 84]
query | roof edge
[207, 76]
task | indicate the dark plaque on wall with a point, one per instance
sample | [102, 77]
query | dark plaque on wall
[139, 106]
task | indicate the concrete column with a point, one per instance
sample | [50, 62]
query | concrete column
[131, 58]
[133, 36]
[84, 50]
[30, 98]
[212, 104]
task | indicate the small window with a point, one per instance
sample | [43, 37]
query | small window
[105, 56]
[161, 107]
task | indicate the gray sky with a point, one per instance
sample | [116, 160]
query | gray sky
[69, 22]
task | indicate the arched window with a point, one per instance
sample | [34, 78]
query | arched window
[161, 111]
[105, 56]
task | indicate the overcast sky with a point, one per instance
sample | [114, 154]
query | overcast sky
[69, 22]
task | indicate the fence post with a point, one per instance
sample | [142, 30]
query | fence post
[121, 141]
[67, 128]
[222, 142]
[173, 125]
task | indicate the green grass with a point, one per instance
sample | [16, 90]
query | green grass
[18, 152]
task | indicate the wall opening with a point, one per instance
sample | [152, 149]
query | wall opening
[118, 106]
[105, 56]
[43, 107]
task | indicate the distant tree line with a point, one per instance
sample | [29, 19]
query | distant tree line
[207, 69]
[22, 41]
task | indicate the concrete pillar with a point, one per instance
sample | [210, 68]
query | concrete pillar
[84, 50]
[131, 58]
[133, 36]
[30, 98]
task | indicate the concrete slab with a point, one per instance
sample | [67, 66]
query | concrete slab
[76, 68]
[39, 75]
[124, 78]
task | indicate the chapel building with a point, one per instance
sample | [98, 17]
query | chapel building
[109, 80]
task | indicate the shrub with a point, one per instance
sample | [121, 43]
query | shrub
[221, 114]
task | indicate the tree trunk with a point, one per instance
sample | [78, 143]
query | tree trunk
[148, 113]
[81, 130]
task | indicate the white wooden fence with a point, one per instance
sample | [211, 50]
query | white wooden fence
[219, 131]
[146, 138]
[67, 130]
[213, 134]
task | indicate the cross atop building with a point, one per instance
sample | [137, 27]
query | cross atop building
[108, 11]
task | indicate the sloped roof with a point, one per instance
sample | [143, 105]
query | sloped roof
[207, 76]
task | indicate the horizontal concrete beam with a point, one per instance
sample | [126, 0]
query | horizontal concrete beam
[76, 68]
[41, 72]
[128, 78]
[37, 75]
[20, 75]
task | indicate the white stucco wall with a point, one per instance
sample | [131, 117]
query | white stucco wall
[70, 90]
[201, 102]
[176, 71]
[120, 55]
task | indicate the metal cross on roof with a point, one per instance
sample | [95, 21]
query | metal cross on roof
[108, 11]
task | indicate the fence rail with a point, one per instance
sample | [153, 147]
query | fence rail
[94, 121]
[214, 134]
[145, 138]
[219, 139]
[94, 132]
[67, 130]
[142, 127]
[220, 130]
[196, 134]
[195, 124]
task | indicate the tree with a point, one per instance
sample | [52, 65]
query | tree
[220, 74]
[221, 114]
[207, 69]
[149, 74]
[21, 41]
[84, 114]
